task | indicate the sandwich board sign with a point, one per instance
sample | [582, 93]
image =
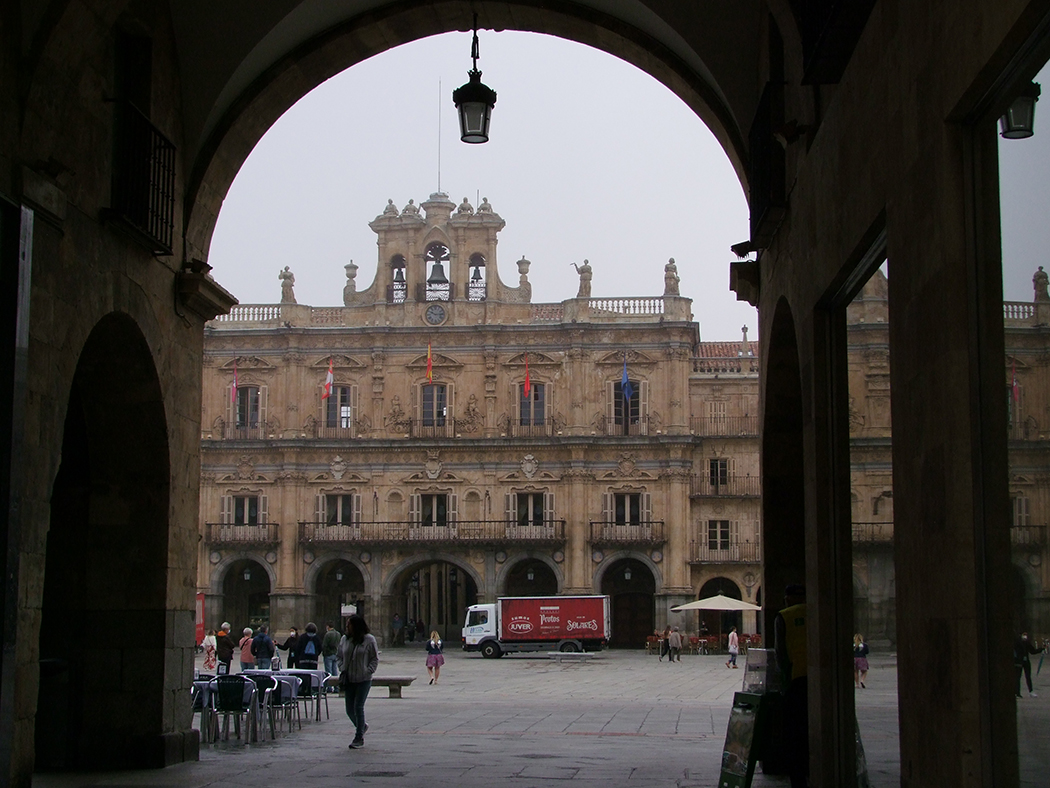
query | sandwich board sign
[746, 723]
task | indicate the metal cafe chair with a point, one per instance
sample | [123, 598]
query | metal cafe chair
[284, 699]
[233, 696]
[265, 686]
[312, 692]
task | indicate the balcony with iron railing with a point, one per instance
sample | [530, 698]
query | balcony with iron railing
[725, 486]
[544, 533]
[542, 428]
[613, 428]
[1028, 536]
[724, 426]
[247, 535]
[872, 533]
[643, 534]
[708, 551]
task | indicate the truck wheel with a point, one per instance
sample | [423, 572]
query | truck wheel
[569, 647]
[490, 650]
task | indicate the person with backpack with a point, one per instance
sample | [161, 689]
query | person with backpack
[308, 649]
[263, 648]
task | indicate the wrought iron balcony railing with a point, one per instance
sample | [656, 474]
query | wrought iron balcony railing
[543, 428]
[724, 426]
[872, 533]
[718, 552]
[646, 533]
[547, 532]
[614, 427]
[252, 535]
[422, 428]
[143, 186]
[1028, 536]
[725, 486]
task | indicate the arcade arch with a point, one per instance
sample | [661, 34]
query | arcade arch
[530, 576]
[434, 589]
[631, 582]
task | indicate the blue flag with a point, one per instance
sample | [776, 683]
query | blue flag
[625, 383]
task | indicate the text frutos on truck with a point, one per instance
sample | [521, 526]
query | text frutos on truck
[538, 623]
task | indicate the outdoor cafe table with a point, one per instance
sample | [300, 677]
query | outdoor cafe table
[205, 688]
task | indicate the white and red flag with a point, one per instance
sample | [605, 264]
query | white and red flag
[329, 379]
[233, 391]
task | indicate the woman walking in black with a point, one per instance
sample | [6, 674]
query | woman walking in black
[358, 659]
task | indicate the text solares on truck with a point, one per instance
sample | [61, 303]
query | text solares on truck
[538, 623]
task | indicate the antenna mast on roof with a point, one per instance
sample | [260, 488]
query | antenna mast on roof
[439, 134]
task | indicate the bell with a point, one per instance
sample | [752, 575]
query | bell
[437, 275]
[399, 276]
[476, 276]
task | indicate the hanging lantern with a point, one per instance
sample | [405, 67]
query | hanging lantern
[474, 101]
[1018, 122]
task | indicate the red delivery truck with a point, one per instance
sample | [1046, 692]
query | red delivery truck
[538, 623]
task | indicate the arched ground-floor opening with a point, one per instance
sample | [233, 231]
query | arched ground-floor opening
[433, 593]
[339, 585]
[718, 623]
[104, 629]
[531, 577]
[631, 587]
[246, 595]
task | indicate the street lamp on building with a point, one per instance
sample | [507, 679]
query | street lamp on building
[247, 573]
[474, 100]
[1018, 122]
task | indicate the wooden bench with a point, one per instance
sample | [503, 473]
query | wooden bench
[572, 656]
[393, 683]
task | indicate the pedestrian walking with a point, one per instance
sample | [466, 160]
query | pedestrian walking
[209, 644]
[310, 647]
[245, 645]
[263, 648]
[225, 645]
[734, 648]
[329, 647]
[358, 659]
[665, 642]
[1023, 648]
[434, 657]
[674, 647]
[860, 661]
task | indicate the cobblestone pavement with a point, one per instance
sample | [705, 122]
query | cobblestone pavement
[621, 719]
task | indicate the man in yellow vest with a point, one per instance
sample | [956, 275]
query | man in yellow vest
[789, 632]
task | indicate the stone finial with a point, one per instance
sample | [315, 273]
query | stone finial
[1039, 282]
[671, 279]
[350, 288]
[287, 284]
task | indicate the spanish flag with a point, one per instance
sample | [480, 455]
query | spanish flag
[528, 383]
[430, 365]
[329, 379]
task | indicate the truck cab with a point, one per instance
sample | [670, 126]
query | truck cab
[479, 629]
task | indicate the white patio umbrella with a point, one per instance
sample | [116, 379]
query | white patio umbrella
[716, 602]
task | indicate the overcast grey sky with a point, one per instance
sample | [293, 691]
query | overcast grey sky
[589, 157]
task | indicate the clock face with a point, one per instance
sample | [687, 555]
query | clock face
[435, 314]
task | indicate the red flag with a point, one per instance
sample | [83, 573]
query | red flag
[1015, 385]
[430, 365]
[329, 379]
[233, 391]
[528, 383]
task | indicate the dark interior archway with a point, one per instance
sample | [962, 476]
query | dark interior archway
[436, 593]
[632, 589]
[720, 621]
[103, 631]
[783, 476]
[246, 595]
[531, 578]
[339, 583]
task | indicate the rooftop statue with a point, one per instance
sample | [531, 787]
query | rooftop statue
[485, 207]
[411, 209]
[671, 279]
[465, 208]
[287, 283]
[585, 279]
[391, 209]
[1039, 281]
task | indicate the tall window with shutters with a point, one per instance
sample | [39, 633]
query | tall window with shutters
[628, 416]
[244, 509]
[718, 474]
[627, 515]
[530, 514]
[435, 405]
[339, 409]
[1021, 513]
[246, 412]
[432, 511]
[532, 407]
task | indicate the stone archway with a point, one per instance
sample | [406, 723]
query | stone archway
[339, 582]
[435, 591]
[783, 475]
[631, 586]
[530, 577]
[106, 566]
[715, 622]
[246, 588]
